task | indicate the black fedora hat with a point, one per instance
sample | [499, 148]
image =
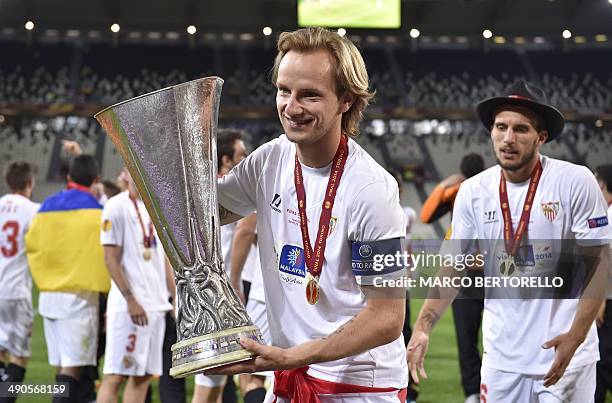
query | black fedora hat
[529, 96]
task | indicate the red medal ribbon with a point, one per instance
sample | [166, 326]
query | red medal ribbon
[314, 259]
[513, 240]
[146, 239]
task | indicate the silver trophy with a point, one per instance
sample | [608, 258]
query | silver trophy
[167, 139]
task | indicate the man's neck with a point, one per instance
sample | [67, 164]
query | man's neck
[522, 174]
[319, 154]
[23, 193]
[133, 195]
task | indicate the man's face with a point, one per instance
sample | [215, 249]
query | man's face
[516, 141]
[306, 100]
[240, 152]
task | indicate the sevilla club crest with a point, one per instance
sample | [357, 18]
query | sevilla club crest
[550, 210]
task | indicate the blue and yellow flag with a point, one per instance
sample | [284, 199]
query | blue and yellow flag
[63, 244]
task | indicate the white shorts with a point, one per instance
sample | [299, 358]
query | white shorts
[16, 318]
[576, 385]
[73, 341]
[133, 350]
[210, 381]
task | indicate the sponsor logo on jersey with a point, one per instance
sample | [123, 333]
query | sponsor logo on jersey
[550, 210]
[598, 222]
[292, 261]
[107, 225]
[490, 216]
[275, 203]
[524, 256]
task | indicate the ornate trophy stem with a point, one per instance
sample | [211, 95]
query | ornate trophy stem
[168, 142]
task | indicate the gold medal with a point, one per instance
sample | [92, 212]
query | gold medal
[146, 254]
[312, 291]
[507, 266]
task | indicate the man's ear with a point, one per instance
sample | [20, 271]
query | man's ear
[348, 100]
[226, 161]
[542, 136]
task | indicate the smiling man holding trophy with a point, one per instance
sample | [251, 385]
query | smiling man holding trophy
[335, 337]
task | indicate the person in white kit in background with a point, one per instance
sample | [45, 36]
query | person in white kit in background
[245, 255]
[16, 312]
[62, 249]
[230, 151]
[534, 350]
[138, 300]
[332, 338]
[604, 316]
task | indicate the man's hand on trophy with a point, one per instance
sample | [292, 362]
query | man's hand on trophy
[268, 358]
[137, 313]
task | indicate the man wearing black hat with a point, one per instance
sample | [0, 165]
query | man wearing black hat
[534, 350]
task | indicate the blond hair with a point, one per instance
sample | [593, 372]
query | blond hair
[351, 72]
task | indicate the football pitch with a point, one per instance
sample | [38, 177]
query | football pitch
[349, 13]
[443, 385]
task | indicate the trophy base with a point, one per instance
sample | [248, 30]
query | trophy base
[198, 354]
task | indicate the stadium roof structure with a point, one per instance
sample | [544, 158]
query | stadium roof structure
[510, 18]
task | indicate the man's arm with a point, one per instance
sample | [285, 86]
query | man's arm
[170, 284]
[112, 258]
[593, 296]
[431, 312]
[379, 323]
[244, 238]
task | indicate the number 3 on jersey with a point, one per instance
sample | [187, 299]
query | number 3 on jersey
[9, 244]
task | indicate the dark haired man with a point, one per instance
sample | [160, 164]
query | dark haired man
[535, 350]
[16, 313]
[603, 173]
[67, 264]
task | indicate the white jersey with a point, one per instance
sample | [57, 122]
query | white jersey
[227, 236]
[366, 212]
[257, 287]
[62, 305]
[411, 218]
[568, 205]
[610, 223]
[147, 279]
[16, 212]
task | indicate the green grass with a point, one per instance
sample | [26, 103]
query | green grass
[441, 364]
[350, 13]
